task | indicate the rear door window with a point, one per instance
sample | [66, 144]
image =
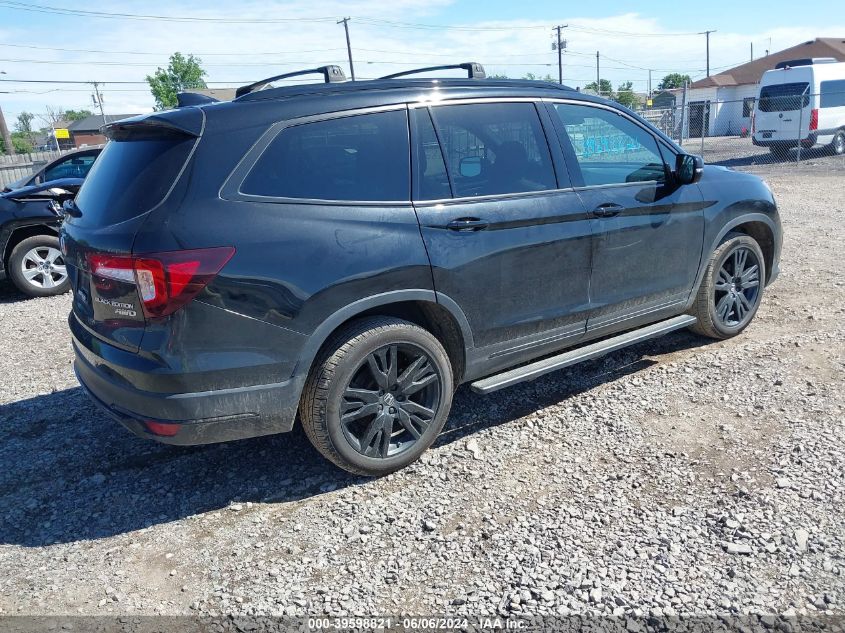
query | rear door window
[432, 177]
[363, 157]
[784, 97]
[494, 148]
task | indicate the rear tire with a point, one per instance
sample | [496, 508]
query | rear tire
[731, 289]
[37, 267]
[780, 151]
[837, 146]
[378, 396]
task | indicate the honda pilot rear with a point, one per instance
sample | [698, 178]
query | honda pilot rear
[148, 345]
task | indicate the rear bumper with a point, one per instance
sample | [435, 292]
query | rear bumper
[188, 418]
[810, 141]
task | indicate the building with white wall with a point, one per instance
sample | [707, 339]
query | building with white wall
[722, 104]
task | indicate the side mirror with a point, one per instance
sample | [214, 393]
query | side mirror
[470, 167]
[688, 169]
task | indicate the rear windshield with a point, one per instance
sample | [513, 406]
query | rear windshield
[784, 97]
[131, 177]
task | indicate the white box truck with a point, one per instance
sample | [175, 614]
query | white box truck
[801, 101]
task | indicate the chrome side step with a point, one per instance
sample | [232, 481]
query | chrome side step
[572, 357]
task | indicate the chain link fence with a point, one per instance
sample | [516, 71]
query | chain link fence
[798, 128]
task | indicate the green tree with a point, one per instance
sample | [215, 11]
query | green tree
[533, 77]
[182, 73]
[20, 142]
[626, 96]
[24, 123]
[497, 77]
[76, 115]
[604, 88]
[674, 80]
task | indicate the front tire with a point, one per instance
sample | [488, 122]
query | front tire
[377, 396]
[732, 288]
[37, 267]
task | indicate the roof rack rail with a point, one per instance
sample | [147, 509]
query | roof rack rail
[474, 70]
[331, 74]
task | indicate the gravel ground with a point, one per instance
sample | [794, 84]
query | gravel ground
[734, 151]
[679, 476]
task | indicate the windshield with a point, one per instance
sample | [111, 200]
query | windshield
[784, 97]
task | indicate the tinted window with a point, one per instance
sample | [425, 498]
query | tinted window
[131, 177]
[833, 94]
[784, 97]
[432, 179]
[75, 167]
[609, 148]
[362, 157]
[494, 148]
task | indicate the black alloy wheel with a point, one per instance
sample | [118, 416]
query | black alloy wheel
[378, 395]
[737, 287]
[391, 400]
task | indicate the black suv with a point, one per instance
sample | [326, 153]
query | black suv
[351, 252]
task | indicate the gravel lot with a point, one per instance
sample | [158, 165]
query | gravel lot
[679, 476]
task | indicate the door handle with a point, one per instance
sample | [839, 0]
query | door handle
[467, 224]
[608, 210]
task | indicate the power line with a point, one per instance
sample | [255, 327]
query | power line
[600, 31]
[418, 62]
[450, 27]
[91, 50]
[623, 64]
[40, 8]
[415, 53]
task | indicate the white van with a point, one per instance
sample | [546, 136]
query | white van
[801, 99]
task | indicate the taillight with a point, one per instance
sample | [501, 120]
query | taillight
[814, 120]
[165, 281]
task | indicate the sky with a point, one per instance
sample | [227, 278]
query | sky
[239, 42]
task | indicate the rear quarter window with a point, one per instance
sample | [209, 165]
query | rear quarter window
[362, 157]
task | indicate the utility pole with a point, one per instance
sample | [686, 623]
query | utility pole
[4, 131]
[707, 33]
[561, 44]
[752, 51]
[98, 100]
[649, 83]
[348, 46]
[598, 75]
